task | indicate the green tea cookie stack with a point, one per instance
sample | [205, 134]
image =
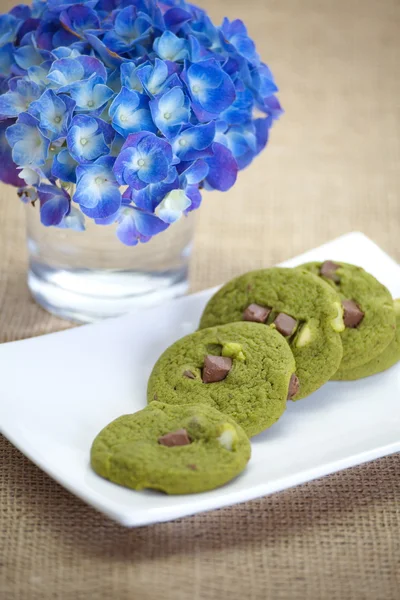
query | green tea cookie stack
[305, 312]
[174, 449]
[265, 338]
[369, 316]
[244, 370]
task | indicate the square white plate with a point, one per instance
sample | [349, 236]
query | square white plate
[59, 390]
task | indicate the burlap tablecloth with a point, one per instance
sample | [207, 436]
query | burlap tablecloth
[332, 167]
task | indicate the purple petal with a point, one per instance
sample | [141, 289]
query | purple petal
[8, 169]
[223, 168]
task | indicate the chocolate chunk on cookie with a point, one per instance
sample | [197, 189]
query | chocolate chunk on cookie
[368, 313]
[174, 449]
[307, 314]
[250, 385]
[256, 313]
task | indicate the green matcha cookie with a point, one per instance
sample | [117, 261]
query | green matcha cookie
[305, 311]
[241, 369]
[368, 311]
[389, 357]
[174, 449]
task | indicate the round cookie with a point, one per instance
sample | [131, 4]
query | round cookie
[174, 449]
[369, 315]
[389, 357]
[241, 369]
[270, 296]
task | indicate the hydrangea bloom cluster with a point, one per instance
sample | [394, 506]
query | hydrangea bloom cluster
[122, 111]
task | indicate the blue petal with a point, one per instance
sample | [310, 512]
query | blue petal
[137, 226]
[97, 191]
[175, 17]
[21, 11]
[129, 78]
[170, 111]
[17, 101]
[110, 58]
[211, 89]
[90, 95]
[30, 146]
[85, 140]
[172, 207]
[192, 141]
[79, 18]
[73, 220]
[54, 205]
[8, 169]
[153, 78]
[195, 172]
[145, 158]
[66, 71]
[130, 28]
[150, 197]
[9, 26]
[130, 114]
[170, 47]
[54, 114]
[194, 195]
[64, 167]
[223, 169]
[6, 60]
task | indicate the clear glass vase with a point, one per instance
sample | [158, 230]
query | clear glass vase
[91, 275]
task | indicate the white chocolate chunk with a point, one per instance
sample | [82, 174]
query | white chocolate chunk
[338, 323]
[304, 337]
[228, 437]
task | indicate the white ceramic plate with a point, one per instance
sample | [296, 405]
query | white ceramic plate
[59, 390]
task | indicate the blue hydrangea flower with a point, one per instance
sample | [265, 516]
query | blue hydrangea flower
[19, 99]
[149, 198]
[170, 47]
[130, 28]
[64, 167]
[157, 78]
[97, 190]
[77, 19]
[194, 142]
[129, 78]
[54, 204]
[29, 145]
[241, 141]
[136, 226]
[145, 158]
[172, 207]
[193, 173]
[65, 72]
[211, 89]
[85, 140]
[146, 94]
[170, 111]
[90, 95]
[130, 113]
[236, 33]
[54, 114]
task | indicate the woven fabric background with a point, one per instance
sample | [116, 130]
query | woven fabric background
[332, 166]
